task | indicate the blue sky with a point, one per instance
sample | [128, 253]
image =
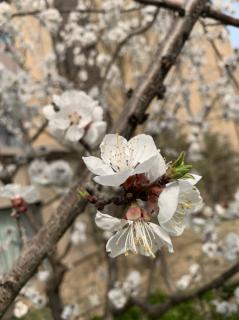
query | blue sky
[234, 32]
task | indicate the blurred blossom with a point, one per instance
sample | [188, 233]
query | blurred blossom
[60, 174]
[207, 211]
[78, 116]
[52, 19]
[117, 297]
[193, 276]
[70, 312]
[230, 246]
[31, 292]
[20, 309]
[220, 211]
[5, 13]
[43, 275]
[132, 281]
[16, 191]
[39, 301]
[57, 173]
[94, 300]
[210, 249]
[233, 208]
[224, 307]
[183, 282]
[37, 172]
[236, 294]
[78, 234]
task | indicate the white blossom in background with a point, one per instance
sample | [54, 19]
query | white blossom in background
[233, 208]
[187, 279]
[37, 172]
[39, 301]
[57, 173]
[15, 191]
[43, 275]
[52, 19]
[5, 13]
[210, 249]
[184, 282]
[70, 312]
[219, 210]
[78, 116]
[121, 159]
[117, 297]
[236, 294]
[31, 292]
[60, 175]
[20, 309]
[132, 281]
[225, 308]
[78, 234]
[230, 246]
[94, 299]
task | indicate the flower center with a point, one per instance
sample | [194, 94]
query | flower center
[74, 118]
[19, 204]
[140, 238]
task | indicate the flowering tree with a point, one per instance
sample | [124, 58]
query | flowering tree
[140, 196]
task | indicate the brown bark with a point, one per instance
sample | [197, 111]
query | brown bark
[208, 12]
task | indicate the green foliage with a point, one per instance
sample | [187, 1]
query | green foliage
[219, 168]
[157, 297]
[133, 313]
[43, 314]
[178, 169]
[185, 311]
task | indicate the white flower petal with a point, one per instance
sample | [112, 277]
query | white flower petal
[157, 169]
[30, 194]
[74, 133]
[117, 297]
[97, 166]
[49, 112]
[196, 178]
[161, 237]
[190, 199]
[59, 122]
[142, 148]
[144, 166]
[117, 244]
[113, 180]
[11, 190]
[176, 225]
[167, 202]
[58, 100]
[86, 116]
[109, 223]
[114, 151]
[95, 133]
[97, 114]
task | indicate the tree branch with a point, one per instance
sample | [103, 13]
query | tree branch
[208, 12]
[166, 55]
[174, 300]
